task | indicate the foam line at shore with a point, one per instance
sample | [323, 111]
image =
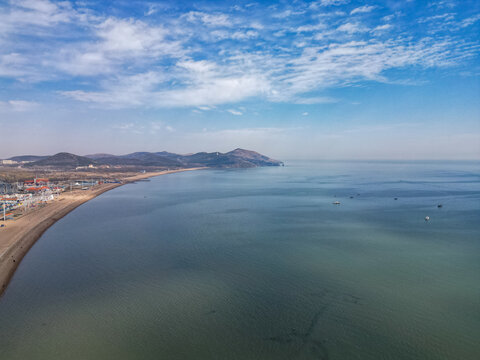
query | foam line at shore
[21, 234]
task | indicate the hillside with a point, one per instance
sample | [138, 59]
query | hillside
[62, 160]
[253, 157]
[98, 156]
[27, 158]
[141, 159]
[238, 158]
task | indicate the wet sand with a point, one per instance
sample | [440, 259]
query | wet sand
[19, 235]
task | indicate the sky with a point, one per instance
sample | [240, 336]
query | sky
[325, 79]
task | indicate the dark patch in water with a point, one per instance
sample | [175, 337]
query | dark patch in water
[315, 347]
[349, 298]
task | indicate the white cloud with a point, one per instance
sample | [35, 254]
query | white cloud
[471, 20]
[212, 91]
[286, 79]
[18, 105]
[215, 20]
[239, 35]
[206, 108]
[381, 28]
[129, 35]
[36, 13]
[152, 9]
[352, 28]
[180, 61]
[313, 27]
[287, 13]
[234, 112]
[388, 18]
[119, 41]
[316, 100]
[362, 9]
[305, 114]
[205, 84]
[328, 3]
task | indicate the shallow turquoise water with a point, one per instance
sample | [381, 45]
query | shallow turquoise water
[259, 264]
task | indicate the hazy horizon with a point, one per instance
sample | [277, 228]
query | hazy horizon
[327, 79]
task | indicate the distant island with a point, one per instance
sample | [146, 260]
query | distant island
[238, 158]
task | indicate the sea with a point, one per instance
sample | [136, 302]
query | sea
[259, 264]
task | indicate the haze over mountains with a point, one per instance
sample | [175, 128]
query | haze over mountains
[238, 158]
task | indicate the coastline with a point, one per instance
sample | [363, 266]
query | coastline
[21, 234]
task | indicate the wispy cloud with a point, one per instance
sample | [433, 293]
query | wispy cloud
[381, 28]
[330, 2]
[215, 20]
[287, 13]
[362, 9]
[235, 112]
[352, 28]
[18, 105]
[207, 56]
[316, 100]
[470, 21]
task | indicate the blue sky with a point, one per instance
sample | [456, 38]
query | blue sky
[327, 79]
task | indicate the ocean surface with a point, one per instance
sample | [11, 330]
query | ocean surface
[259, 264]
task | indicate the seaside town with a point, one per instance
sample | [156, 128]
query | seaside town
[18, 198]
[23, 189]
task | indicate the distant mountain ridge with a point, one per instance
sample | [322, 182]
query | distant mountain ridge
[238, 158]
[27, 158]
[63, 160]
[98, 156]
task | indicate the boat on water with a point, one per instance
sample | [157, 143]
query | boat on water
[336, 203]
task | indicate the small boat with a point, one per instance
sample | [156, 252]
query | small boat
[336, 203]
[427, 218]
[439, 206]
[395, 198]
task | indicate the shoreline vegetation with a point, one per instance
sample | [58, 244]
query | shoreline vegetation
[18, 236]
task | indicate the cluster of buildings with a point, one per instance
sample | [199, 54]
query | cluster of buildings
[28, 194]
[18, 198]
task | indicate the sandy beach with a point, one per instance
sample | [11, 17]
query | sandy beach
[21, 234]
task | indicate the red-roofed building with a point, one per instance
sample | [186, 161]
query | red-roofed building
[32, 189]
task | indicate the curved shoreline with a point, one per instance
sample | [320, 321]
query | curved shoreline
[20, 235]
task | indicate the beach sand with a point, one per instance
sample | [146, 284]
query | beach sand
[19, 235]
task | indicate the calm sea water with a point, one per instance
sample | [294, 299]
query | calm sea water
[259, 264]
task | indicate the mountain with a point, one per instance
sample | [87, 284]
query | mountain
[27, 158]
[63, 160]
[98, 156]
[141, 159]
[253, 157]
[238, 158]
